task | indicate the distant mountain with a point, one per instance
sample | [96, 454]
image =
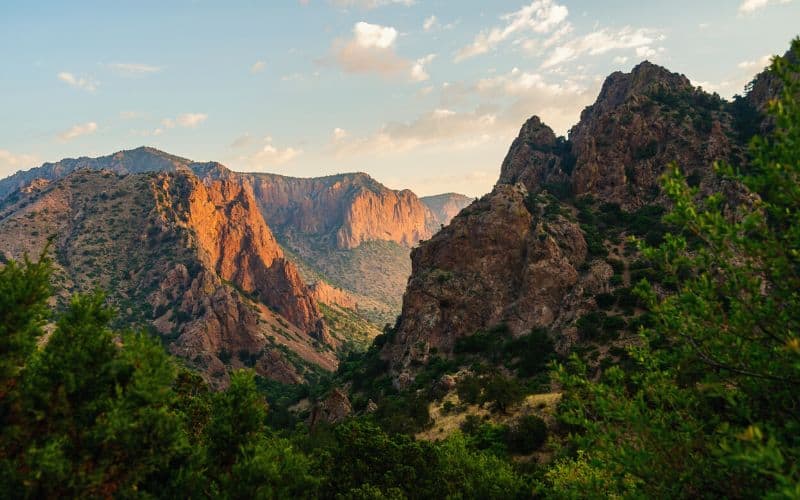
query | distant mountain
[446, 206]
[192, 260]
[217, 261]
[346, 229]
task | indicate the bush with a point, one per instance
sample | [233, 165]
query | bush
[533, 352]
[469, 389]
[503, 392]
[605, 300]
[527, 435]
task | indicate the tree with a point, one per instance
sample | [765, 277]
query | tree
[92, 418]
[711, 408]
[24, 290]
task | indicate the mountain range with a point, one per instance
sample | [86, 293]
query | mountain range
[286, 274]
[230, 269]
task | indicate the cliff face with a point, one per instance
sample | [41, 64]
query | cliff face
[194, 261]
[342, 210]
[445, 206]
[323, 293]
[640, 122]
[348, 230]
[240, 248]
[519, 257]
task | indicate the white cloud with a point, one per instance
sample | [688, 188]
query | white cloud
[541, 16]
[557, 104]
[372, 50]
[371, 4]
[418, 73]
[430, 23]
[645, 51]
[605, 40]
[242, 141]
[83, 83]
[258, 67]
[431, 127]
[756, 65]
[374, 35]
[134, 69]
[186, 120]
[620, 59]
[11, 162]
[268, 155]
[77, 131]
[750, 6]
[339, 134]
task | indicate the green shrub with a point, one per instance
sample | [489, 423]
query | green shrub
[527, 435]
[605, 300]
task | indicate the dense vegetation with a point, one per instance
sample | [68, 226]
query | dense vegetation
[710, 407]
[706, 404]
[96, 412]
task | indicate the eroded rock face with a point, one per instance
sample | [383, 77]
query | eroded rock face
[515, 256]
[642, 121]
[500, 260]
[335, 408]
[346, 210]
[231, 232]
[330, 296]
[194, 260]
[535, 157]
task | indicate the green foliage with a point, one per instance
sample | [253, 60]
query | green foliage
[89, 417]
[483, 342]
[99, 413]
[503, 391]
[24, 290]
[707, 405]
[527, 435]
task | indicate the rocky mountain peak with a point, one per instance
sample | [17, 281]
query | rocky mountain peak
[518, 257]
[536, 157]
[645, 78]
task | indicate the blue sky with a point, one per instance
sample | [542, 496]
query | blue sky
[426, 95]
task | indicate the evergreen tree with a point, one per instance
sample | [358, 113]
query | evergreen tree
[712, 407]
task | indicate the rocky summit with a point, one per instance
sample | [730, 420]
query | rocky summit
[529, 254]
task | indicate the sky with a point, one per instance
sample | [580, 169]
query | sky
[421, 94]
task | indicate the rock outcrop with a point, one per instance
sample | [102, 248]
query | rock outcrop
[330, 296]
[240, 248]
[642, 121]
[333, 409]
[518, 256]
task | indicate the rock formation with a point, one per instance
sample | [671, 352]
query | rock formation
[194, 260]
[323, 293]
[517, 256]
[334, 408]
